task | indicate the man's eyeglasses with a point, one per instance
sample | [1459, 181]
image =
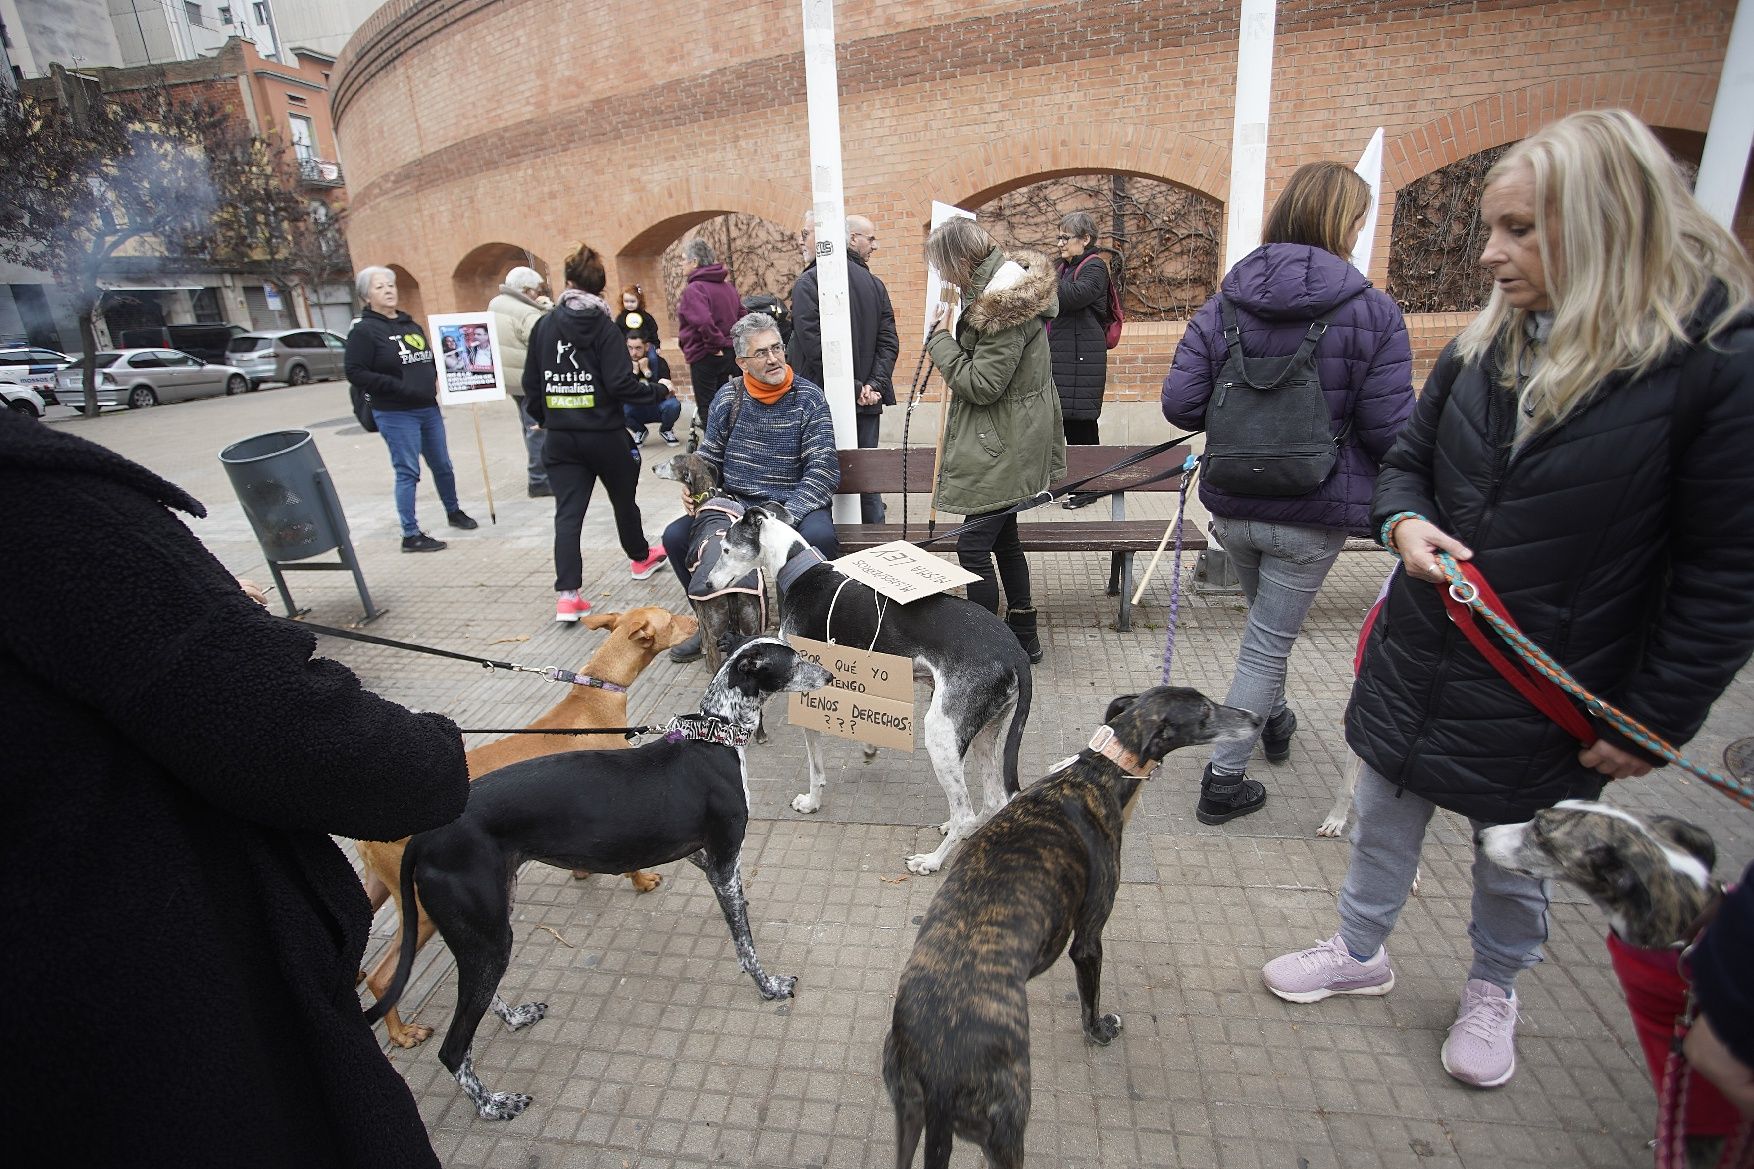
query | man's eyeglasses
[778, 351]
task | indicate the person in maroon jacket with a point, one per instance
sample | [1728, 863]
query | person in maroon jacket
[708, 307]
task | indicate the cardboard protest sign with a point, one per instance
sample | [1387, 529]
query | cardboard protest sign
[869, 699]
[903, 572]
[471, 365]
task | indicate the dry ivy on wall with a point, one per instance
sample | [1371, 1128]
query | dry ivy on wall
[1168, 236]
[760, 255]
[1435, 244]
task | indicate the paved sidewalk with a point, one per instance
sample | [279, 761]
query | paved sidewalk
[657, 1052]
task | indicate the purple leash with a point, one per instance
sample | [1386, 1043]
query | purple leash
[1175, 588]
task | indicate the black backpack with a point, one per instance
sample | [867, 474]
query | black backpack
[1267, 426]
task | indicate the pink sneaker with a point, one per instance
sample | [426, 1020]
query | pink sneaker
[1320, 972]
[644, 568]
[570, 608]
[1481, 1048]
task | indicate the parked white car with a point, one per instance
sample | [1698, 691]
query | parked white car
[145, 377]
[22, 399]
[27, 365]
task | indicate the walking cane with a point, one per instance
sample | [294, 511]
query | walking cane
[947, 295]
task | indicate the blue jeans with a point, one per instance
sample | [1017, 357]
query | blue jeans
[643, 414]
[1281, 567]
[411, 434]
[817, 528]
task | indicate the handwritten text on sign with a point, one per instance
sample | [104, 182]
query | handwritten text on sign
[870, 697]
[903, 572]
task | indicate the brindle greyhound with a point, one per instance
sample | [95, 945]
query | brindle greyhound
[683, 796]
[1045, 868]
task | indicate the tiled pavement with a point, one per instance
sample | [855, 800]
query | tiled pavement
[657, 1052]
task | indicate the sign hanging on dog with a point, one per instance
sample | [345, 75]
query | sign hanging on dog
[870, 697]
[904, 572]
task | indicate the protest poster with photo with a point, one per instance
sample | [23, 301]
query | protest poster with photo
[470, 365]
[936, 289]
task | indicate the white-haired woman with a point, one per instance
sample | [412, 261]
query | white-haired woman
[515, 311]
[390, 361]
[1585, 443]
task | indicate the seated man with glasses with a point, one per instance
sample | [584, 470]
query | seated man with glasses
[771, 442]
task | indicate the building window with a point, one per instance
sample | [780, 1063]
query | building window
[295, 99]
[261, 11]
[225, 14]
[193, 12]
[304, 138]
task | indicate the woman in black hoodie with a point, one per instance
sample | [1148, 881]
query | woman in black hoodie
[577, 377]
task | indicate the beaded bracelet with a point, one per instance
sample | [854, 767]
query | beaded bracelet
[1386, 534]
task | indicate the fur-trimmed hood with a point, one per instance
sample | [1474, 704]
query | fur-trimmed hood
[1011, 288]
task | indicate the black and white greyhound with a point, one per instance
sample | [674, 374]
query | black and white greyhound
[683, 796]
[981, 682]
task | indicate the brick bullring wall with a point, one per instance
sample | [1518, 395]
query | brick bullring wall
[473, 129]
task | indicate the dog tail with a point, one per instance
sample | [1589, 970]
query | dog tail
[1014, 732]
[939, 1127]
[410, 936]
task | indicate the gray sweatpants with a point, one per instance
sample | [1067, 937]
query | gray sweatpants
[1509, 923]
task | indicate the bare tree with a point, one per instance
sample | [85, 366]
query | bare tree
[262, 223]
[91, 175]
[1435, 243]
[1165, 238]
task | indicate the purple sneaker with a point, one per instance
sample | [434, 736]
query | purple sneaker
[1309, 976]
[1481, 1048]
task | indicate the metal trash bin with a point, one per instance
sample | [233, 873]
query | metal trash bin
[286, 492]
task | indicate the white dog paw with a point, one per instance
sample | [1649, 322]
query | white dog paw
[922, 864]
[806, 803]
[1332, 827]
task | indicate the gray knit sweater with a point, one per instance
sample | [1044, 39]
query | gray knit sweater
[783, 453]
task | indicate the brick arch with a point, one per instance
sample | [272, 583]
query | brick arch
[479, 273]
[1003, 164]
[1680, 101]
[700, 197]
[408, 297]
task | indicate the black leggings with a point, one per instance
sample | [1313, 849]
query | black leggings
[576, 459]
[994, 537]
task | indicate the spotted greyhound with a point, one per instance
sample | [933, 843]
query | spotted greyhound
[981, 683]
[683, 796]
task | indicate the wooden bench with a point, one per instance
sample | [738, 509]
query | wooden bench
[880, 471]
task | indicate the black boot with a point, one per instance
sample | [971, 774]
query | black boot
[1022, 623]
[691, 650]
[1225, 797]
[1276, 736]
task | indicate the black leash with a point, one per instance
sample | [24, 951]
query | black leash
[624, 732]
[1071, 498]
[907, 419]
[552, 673]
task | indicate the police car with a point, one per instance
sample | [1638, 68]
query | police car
[21, 400]
[26, 365]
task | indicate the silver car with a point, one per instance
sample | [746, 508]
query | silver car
[293, 356]
[146, 377]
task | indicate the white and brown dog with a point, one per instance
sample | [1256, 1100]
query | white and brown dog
[1651, 876]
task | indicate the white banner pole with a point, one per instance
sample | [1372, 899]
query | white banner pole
[1248, 135]
[822, 93]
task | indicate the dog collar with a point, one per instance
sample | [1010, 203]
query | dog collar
[798, 565]
[705, 728]
[556, 674]
[1104, 743]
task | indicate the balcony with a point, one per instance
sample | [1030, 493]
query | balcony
[315, 172]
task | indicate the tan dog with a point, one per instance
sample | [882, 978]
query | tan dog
[639, 635]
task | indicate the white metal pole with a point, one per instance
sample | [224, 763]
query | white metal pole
[1248, 135]
[822, 92]
[1731, 133]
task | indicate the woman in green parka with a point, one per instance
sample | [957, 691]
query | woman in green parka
[1003, 441]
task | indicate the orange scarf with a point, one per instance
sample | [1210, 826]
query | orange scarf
[762, 392]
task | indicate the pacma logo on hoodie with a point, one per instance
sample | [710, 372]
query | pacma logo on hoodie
[412, 347]
[571, 388]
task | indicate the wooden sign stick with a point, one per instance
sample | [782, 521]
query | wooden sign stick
[481, 449]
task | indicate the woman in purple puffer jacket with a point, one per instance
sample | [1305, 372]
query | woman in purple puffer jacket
[1282, 548]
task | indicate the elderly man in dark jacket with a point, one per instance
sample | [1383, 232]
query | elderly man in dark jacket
[1078, 337]
[182, 935]
[875, 342]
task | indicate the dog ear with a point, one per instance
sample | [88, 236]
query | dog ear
[642, 632]
[1691, 837]
[1118, 705]
[600, 620]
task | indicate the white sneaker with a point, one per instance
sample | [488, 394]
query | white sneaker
[1481, 1048]
[1309, 976]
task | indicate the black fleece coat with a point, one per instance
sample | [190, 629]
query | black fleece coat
[390, 360]
[578, 374]
[182, 935]
[1621, 541]
[1076, 339]
[875, 342]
